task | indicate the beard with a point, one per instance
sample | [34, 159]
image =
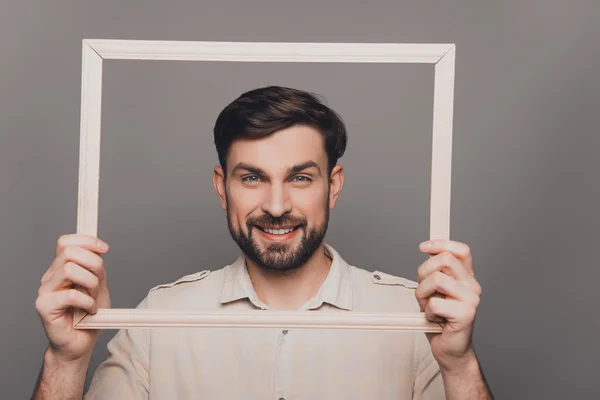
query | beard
[279, 256]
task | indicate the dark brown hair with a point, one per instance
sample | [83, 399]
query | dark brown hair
[263, 111]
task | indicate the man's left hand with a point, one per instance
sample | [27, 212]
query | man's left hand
[448, 292]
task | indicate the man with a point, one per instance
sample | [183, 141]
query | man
[278, 178]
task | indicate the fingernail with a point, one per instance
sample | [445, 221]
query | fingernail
[425, 245]
[102, 245]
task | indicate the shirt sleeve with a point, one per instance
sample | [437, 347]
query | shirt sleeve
[125, 372]
[428, 380]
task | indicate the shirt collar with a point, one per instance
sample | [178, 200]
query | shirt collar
[335, 290]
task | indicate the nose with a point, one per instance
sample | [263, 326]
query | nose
[277, 202]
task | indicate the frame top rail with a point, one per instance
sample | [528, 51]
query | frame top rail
[270, 51]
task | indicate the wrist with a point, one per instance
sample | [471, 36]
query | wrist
[60, 377]
[466, 364]
[463, 379]
[56, 360]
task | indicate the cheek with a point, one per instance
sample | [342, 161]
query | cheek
[243, 202]
[311, 203]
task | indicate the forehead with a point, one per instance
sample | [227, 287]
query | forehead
[282, 149]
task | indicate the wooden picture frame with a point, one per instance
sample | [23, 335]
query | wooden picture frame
[95, 51]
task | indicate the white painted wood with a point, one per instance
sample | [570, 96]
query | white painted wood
[95, 50]
[89, 148]
[441, 153]
[270, 51]
[147, 318]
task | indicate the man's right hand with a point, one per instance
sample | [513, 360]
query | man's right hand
[78, 261]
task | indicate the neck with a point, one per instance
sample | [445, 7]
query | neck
[290, 290]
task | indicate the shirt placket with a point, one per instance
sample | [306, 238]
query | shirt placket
[283, 366]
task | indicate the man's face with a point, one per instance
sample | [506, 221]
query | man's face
[277, 195]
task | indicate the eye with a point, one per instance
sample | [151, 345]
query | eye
[302, 179]
[251, 179]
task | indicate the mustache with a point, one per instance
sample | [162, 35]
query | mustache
[275, 222]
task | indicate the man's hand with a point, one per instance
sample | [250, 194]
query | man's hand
[78, 261]
[448, 292]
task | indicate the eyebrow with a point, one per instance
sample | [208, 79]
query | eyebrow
[290, 171]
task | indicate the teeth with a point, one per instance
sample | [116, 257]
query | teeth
[278, 231]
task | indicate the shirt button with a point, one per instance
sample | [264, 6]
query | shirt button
[285, 331]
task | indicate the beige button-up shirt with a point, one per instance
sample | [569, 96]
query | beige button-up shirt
[257, 363]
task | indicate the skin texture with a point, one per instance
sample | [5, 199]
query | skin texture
[280, 180]
[78, 260]
[448, 292]
[265, 182]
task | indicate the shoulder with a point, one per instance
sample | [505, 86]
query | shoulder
[199, 289]
[382, 291]
[380, 279]
[197, 276]
[384, 279]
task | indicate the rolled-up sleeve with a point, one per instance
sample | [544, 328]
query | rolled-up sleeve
[125, 372]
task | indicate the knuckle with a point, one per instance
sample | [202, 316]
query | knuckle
[419, 292]
[39, 304]
[438, 278]
[95, 282]
[447, 257]
[420, 273]
[431, 311]
[433, 303]
[68, 252]
[102, 270]
[99, 264]
[72, 295]
[68, 270]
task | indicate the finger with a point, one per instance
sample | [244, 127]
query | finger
[445, 262]
[439, 282]
[453, 311]
[460, 250]
[55, 303]
[88, 242]
[69, 274]
[85, 258]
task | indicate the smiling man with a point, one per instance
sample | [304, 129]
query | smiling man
[277, 180]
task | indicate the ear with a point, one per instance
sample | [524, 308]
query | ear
[336, 180]
[219, 184]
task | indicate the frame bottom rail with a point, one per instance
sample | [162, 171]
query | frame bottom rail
[145, 318]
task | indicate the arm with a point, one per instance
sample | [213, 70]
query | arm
[78, 261]
[60, 380]
[466, 381]
[124, 374]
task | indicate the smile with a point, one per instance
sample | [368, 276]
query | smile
[278, 234]
[279, 231]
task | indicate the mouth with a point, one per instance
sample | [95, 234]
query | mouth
[279, 234]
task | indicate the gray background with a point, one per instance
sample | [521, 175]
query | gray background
[524, 180]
